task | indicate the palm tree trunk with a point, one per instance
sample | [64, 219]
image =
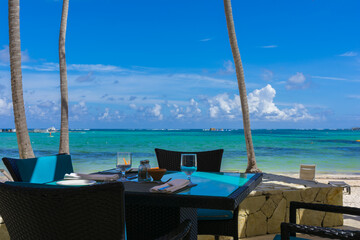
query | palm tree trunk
[64, 129]
[22, 134]
[252, 167]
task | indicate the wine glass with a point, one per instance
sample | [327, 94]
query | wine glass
[188, 164]
[123, 163]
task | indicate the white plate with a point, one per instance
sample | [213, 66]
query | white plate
[77, 182]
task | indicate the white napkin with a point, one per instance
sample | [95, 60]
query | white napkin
[171, 186]
[96, 177]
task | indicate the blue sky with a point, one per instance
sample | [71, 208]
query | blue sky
[168, 64]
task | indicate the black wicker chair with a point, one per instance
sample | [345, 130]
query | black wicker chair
[207, 161]
[289, 230]
[61, 164]
[10, 164]
[90, 212]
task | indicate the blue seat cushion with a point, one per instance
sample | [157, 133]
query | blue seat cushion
[278, 237]
[44, 169]
[214, 214]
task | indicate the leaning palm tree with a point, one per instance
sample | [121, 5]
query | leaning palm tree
[22, 134]
[64, 129]
[251, 167]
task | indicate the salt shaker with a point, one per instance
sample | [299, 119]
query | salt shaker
[143, 174]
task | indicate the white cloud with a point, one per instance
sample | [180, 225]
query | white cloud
[267, 75]
[50, 66]
[45, 67]
[297, 81]
[86, 78]
[5, 57]
[335, 79]
[205, 39]
[147, 112]
[223, 106]
[5, 107]
[109, 115]
[269, 46]
[191, 110]
[354, 96]
[228, 68]
[44, 110]
[79, 110]
[214, 111]
[261, 107]
[105, 115]
[156, 111]
[349, 54]
[95, 68]
[330, 78]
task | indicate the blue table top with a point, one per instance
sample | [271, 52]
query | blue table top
[211, 184]
[208, 184]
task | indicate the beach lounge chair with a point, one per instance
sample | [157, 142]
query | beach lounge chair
[43, 212]
[307, 172]
[289, 230]
[210, 221]
[39, 170]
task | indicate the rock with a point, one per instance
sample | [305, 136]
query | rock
[291, 196]
[277, 218]
[321, 196]
[205, 237]
[256, 224]
[268, 208]
[333, 220]
[242, 211]
[287, 214]
[225, 238]
[311, 217]
[252, 204]
[242, 226]
[276, 198]
[335, 196]
[309, 194]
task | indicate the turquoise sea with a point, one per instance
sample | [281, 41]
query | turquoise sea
[275, 150]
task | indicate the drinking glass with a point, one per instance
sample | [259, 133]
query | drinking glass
[123, 163]
[188, 164]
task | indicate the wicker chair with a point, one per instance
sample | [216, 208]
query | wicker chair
[289, 230]
[207, 161]
[48, 168]
[40, 212]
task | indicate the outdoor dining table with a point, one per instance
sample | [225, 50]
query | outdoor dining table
[149, 214]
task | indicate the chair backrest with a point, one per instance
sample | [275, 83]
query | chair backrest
[39, 170]
[10, 164]
[89, 212]
[207, 161]
[307, 171]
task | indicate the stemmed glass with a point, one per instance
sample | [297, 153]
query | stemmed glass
[123, 163]
[188, 164]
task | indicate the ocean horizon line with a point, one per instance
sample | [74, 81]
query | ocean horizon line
[192, 129]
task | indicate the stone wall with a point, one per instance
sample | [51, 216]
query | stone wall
[267, 206]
